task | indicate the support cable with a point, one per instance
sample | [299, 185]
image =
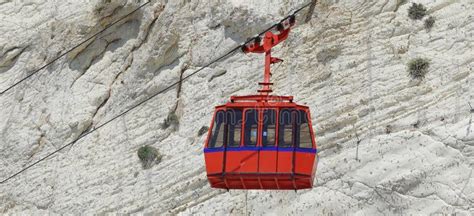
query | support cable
[72, 49]
[229, 53]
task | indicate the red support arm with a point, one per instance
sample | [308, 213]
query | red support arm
[269, 40]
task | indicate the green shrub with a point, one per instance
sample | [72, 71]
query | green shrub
[203, 130]
[418, 68]
[148, 156]
[329, 54]
[416, 11]
[171, 120]
[429, 23]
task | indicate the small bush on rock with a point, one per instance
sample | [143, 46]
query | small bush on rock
[418, 68]
[429, 23]
[171, 120]
[148, 156]
[416, 11]
[327, 55]
[203, 130]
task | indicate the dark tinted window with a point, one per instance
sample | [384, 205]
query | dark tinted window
[269, 127]
[251, 127]
[286, 128]
[304, 134]
[234, 122]
[217, 136]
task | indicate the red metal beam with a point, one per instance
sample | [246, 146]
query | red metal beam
[269, 41]
[262, 98]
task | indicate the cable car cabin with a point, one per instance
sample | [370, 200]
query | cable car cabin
[261, 142]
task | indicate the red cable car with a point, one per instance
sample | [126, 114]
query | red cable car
[262, 141]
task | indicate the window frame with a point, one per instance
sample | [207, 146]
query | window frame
[262, 118]
[229, 127]
[297, 114]
[281, 134]
[244, 131]
[213, 127]
[304, 122]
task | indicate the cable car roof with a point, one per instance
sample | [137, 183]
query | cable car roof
[261, 101]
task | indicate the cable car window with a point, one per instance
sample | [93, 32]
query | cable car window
[234, 122]
[305, 140]
[269, 127]
[285, 132]
[251, 127]
[217, 136]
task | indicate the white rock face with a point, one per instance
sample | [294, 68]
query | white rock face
[388, 144]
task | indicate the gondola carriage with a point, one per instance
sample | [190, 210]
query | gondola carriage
[262, 141]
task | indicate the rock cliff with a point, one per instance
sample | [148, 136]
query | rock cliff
[388, 143]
